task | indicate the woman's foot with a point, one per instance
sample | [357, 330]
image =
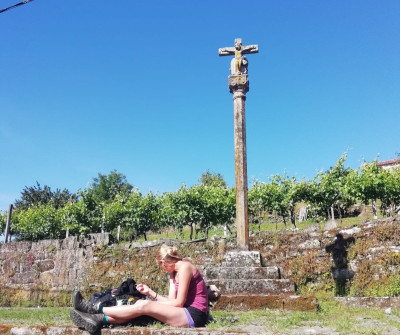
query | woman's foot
[91, 322]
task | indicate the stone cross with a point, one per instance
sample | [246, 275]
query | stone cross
[239, 62]
[239, 86]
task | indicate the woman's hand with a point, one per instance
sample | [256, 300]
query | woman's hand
[144, 289]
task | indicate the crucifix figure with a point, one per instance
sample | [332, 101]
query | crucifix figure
[239, 86]
[239, 62]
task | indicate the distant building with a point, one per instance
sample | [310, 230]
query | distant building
[390, 165]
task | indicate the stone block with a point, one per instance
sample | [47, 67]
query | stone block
[46, 265]
[25, 267]
[351, 231]
[70, 243]
[46, 278]
[253, 286]
[97, 239]
[271, 272]
[310, 244]
[23, 278]
[42, 245]
[279, 301]
[16, 247]
[26, 331]
[65, 331]
[242, 259]
[370, 302]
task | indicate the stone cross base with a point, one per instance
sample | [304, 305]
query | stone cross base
[245, 284]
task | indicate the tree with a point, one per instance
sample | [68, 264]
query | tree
[172, 213]
[75, 218]
[143, 211]
[106, 187]
[217, 206]
[103, 190]
[259, 201]
[371, 184]
[61, 198]
[329, 188]
[278, 199]
[118, 212]
[37, 223]
[212, 179]
[349, 189]
[182, 208]
[3, 220]
[268, 197]
[90, 211]
[391, 198]
[292, 192]
[194, 206]
[36, 195]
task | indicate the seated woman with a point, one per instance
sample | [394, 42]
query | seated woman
[185, 306]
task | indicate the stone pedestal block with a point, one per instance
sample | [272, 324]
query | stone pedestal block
[270, 272]
[253, 286]
[242, 259]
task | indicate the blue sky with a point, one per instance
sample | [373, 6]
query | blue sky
[138, 86]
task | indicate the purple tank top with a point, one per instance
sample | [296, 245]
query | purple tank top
[197, 295]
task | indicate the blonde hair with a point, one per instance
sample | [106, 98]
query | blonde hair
[168, 255]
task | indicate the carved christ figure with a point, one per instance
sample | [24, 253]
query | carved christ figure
[239, 64]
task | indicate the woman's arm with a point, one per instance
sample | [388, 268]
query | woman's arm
[178, 299]
[144, 289]
[172, 290]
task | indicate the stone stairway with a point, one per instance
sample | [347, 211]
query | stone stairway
[245, 284]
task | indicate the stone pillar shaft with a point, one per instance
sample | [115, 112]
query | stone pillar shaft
[242, 224]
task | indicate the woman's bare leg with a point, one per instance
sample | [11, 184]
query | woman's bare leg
[173, 316]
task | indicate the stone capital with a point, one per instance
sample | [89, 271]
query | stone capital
[238, 82]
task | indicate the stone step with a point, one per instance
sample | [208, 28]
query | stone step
[253, 286]
[241, 259]
[280, 301]
[270, 272]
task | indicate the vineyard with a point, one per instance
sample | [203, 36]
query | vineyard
[111, 204]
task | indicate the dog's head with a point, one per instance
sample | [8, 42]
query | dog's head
[213, 294]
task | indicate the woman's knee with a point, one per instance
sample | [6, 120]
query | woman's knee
[141, 305]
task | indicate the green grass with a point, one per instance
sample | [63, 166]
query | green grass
[344, 320]
[35, 316]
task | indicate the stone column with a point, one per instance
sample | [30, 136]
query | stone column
[238, 86]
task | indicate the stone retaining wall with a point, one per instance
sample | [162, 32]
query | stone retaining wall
[30, 270]
[53, 264]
